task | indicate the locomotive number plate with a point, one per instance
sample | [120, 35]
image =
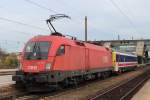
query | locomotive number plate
[32, 68]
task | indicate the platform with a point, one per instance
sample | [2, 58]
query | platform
[6, 80]
[8, 70]
[143, 93]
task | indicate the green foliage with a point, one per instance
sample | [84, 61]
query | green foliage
[8, 60]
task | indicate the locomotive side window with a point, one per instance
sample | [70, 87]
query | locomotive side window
[61, 50]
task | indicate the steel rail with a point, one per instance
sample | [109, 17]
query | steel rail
[140, 82]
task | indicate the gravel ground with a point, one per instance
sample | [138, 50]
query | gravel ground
[7, 89]
[84, 92]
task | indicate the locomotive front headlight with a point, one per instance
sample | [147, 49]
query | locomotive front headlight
[48, 66]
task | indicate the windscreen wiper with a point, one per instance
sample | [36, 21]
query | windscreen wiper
[39, 52]
[31, 53]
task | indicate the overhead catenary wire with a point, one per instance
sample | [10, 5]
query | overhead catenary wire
[10, 43]
[21, 23]
[77, 12]
[45, 8]
[17, 31]
[24, 24]
[65, 4]
[124, 14]
[41, 6]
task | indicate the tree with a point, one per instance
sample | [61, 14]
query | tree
[8, 60]
[11, 60]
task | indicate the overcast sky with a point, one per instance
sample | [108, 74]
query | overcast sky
[106, 19]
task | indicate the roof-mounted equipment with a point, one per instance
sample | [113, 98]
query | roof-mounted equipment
[53, 18]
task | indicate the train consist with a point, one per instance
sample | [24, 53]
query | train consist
[54, 60]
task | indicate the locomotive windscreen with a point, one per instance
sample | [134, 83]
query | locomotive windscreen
[37, 50]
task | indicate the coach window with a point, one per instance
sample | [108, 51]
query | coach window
[61, 50]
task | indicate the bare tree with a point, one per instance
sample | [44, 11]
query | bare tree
[2, 52]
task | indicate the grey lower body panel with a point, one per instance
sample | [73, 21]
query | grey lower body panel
[54, 76]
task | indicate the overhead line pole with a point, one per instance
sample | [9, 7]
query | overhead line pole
[85, 28]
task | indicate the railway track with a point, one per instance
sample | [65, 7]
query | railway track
[9, 92]
[125, 90]
[7, 71]
[55, 93]
[24, 95]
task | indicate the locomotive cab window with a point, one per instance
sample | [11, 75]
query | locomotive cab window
[37, 50]
[61, 50]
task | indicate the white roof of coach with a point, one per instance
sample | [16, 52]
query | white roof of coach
[126, 54]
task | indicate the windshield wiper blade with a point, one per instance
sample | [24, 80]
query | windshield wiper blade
[39, 52]
[31, 53]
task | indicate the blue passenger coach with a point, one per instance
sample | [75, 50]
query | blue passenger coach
[123, 61]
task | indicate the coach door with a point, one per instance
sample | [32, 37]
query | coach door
[87, 59]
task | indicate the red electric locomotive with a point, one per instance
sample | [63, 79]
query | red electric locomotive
[56, 60]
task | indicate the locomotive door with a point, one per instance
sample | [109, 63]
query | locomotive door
[87, 59]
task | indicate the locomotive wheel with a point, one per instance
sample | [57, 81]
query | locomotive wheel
[64, 84]
[105, 75]
[98, 75]
[19, 85]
